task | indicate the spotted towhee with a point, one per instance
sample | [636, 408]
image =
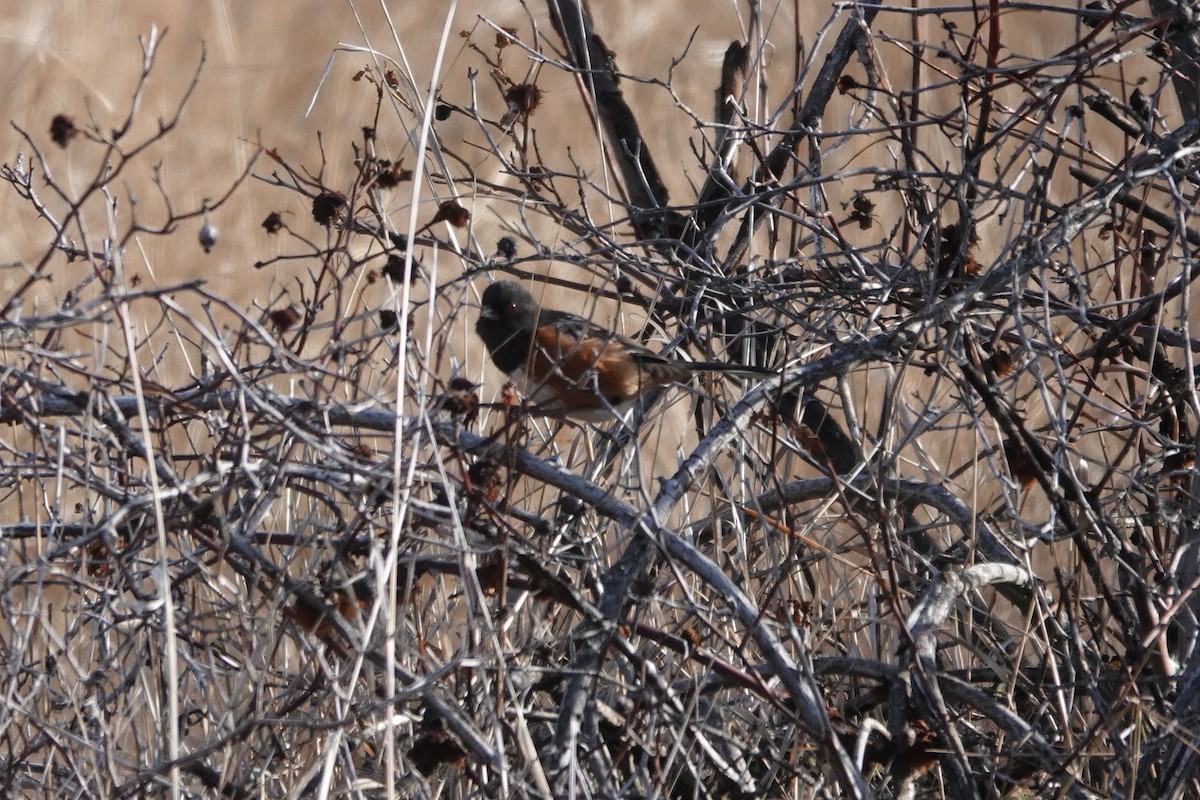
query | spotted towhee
[567, 365]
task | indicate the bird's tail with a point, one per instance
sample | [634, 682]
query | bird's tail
[738, 370]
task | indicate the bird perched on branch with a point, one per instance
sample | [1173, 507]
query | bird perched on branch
[568, 365]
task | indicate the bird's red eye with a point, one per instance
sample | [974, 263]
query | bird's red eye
[512, 307]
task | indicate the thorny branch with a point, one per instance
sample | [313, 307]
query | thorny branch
[979, 583]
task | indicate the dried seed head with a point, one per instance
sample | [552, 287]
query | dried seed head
[208, 232]
[523, 98]
[432, 750]
[1001, 363]
[391, 175]
[63, 130]
[284, 318]
[326, 207]
[1020, 465]
[505, 38]
[208, 237]
[450, 211]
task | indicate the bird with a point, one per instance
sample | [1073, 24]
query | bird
[569, 366]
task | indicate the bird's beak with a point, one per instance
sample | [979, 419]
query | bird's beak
[488, 313]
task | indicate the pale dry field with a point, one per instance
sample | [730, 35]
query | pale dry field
[266, 64]
[281, 76]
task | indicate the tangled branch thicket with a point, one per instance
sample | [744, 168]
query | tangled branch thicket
[948, 549]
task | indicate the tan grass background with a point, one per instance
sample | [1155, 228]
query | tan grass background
[265, 65]
[267, 62]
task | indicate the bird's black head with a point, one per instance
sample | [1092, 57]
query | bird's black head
[507, 318]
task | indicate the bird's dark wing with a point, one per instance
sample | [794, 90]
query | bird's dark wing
[575, 327]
